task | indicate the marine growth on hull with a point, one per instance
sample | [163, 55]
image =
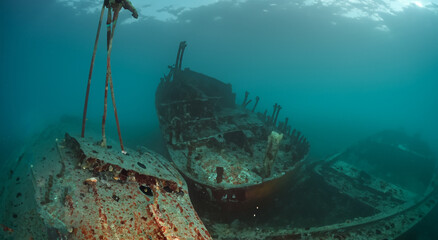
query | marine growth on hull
[217, 141]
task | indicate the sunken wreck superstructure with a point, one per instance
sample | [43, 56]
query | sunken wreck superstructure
[226, 150]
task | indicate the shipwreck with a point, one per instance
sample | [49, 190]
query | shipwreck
[228, 152]
[235, 158]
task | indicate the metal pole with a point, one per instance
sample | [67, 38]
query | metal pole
[184, 45]
[177, 56]
[84, 116]
[108, 38]
[116, 14]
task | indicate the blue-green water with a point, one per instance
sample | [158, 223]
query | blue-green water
[338, 78]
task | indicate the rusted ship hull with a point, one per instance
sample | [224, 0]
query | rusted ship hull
[240, 198]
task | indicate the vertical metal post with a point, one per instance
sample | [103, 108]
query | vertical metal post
[116, 15]
[105, 102]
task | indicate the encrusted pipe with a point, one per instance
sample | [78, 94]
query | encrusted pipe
[274, 140]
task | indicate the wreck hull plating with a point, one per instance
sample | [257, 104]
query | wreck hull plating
[80, 190]
[240, 198]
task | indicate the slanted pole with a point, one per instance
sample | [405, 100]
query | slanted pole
[84, 116]
[177, 56]
[276, 115]
[183, 46]
[116, 15]
[108, 63]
